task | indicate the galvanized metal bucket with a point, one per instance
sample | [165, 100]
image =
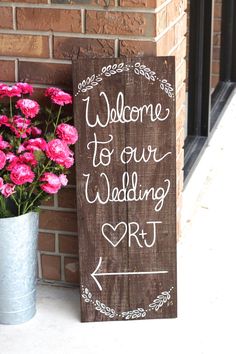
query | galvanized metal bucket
[18, 249]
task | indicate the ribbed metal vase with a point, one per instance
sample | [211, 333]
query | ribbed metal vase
[18, 249]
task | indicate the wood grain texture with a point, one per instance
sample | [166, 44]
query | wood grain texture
[138, 239]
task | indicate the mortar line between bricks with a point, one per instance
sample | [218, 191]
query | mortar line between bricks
[14, 17]
[38, 60]
[7, 58]
[162, 6]
[41, 86]
[116, 48]
[50, 253]
[80, 7]
[178, 112]
[178, 19]
[79, 35]
[177, 158]
[116, 8]
[63, 268]
[180, 64]
[50, 44]
[57, 208]
[16, 70]
[83, 21]
[179, 133]
[179, 88]
[177, 45]
[55, 200]
[40, 273]
[56, 242]
[60, 232]
[47, 282]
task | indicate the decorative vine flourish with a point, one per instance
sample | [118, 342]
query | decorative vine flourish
[102, 308]
[160, 300]
[134, 314]
[139, 69]
[143, 70]
[157, 303]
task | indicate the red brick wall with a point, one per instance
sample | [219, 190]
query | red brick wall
[38, 40]
[215, 72]
[215, 65]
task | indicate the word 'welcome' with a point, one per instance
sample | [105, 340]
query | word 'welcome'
[123, 113]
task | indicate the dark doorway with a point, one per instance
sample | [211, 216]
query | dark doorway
[211, 72]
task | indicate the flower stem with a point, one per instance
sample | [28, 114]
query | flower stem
[32, 203]
[14, 199]
[58, 116]
[2, 205]
[23, 131]
[48, 120]
[34, 186]
[19, 205]
[10, 107]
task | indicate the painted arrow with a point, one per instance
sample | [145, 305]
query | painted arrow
[95, 274]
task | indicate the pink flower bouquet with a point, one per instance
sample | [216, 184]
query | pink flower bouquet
[35, 154]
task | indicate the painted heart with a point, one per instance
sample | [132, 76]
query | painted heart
[114, 234]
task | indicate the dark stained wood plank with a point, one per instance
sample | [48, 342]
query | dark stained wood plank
[127, 248]
[156, 241]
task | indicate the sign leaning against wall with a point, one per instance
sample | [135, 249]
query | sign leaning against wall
[126, 187]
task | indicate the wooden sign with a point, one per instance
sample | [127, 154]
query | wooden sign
[126, 187]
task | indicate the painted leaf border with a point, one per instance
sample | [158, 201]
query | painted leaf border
[134, 314]
[110, 70]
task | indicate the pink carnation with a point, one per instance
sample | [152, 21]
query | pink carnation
[13, 162]
[1, 183]
[10, 156]
[19, 133]
[4, 144]
[63, 179]
[21, 123]
[69, 162]
[21, 173]
[28, 107]
[20, 126]
[35, 144]
[4, 121]
[61, 98]
[21, 148]
[28, 157]
[2, 89]
[53, 183]
[3, 160]
[10, 91]
[67, 133]
[36, 131]
[25, 88]
[51, 91]
[7, 190]
[58, 151]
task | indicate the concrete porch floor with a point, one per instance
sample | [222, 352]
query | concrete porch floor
[206, 280]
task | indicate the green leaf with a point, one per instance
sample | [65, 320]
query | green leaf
[39, 155]
[50, 136]
[48, 110]
[66, 119]
[37, 122]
